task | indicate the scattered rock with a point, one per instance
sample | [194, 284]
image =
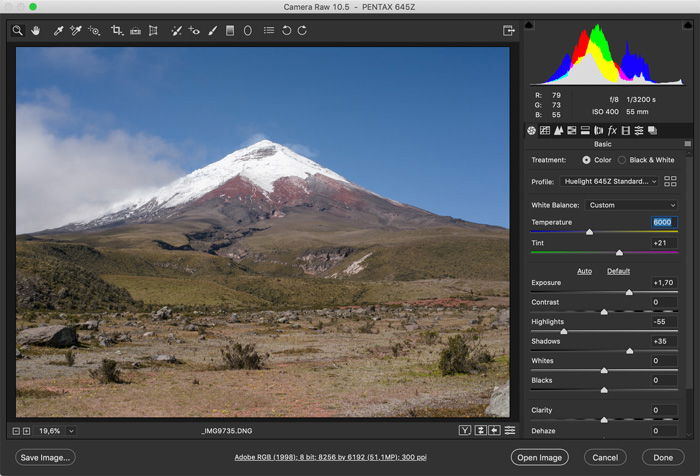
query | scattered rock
[122, 337]
[91, 325]
[503, 317]
[52, 336]
[165, 358]
[282, 320]
[18, 354]
[322, 259]
[499, 405]
[105, 340]
[190, 327]
[233, 318]
[149, 334]
[162, 314]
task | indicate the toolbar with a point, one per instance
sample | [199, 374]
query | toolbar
[245, 30]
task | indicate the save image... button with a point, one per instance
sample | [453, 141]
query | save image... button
[45, 457]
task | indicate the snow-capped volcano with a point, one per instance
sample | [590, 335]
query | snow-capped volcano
[263, 181]
[261, 164]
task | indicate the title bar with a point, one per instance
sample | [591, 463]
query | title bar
[351, 7]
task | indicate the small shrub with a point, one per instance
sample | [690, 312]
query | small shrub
[462, 356]
[429, 337]
[396, 349]
[107, 372]
[30, 316]
[367, 328]
[70, 358]
[239, 356]
[195, 381]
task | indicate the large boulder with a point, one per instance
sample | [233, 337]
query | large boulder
[499, 405]
[52, 336]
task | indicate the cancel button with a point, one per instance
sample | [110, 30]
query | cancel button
[605, 457]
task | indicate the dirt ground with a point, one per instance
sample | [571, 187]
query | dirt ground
[352, 362]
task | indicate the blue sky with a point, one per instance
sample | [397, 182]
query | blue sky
[425, 126]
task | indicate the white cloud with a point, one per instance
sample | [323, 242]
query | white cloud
[88, 61]
[82, 61]
[67, 178]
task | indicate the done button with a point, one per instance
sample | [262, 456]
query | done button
[539, 457]
[663, 457]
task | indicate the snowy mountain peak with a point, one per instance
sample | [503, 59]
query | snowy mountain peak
[264, 143]
[263, 181]
[261, 163]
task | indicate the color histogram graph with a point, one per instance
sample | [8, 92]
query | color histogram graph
[591, 63]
